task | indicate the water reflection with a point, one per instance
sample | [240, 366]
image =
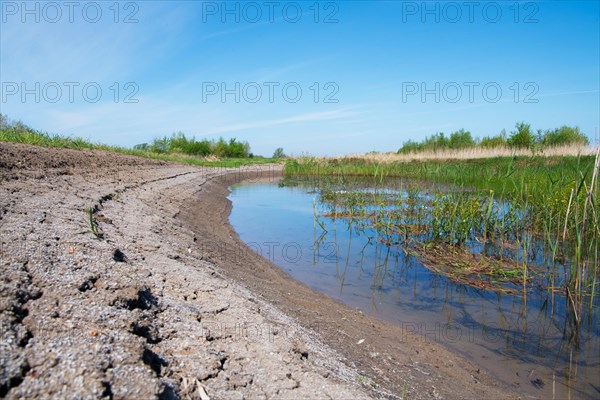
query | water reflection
[528, 340]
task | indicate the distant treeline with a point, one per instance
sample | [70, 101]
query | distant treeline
[522, 137]
[179, 143]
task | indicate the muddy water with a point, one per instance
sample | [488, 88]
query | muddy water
[525, 340]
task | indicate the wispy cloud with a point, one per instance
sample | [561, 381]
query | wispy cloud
[232, 31]
[308, 117]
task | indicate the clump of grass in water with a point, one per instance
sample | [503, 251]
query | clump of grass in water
[476, 270]
[519, 203]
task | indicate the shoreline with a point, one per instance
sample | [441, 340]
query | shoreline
[184, 308]
[521, 357]
[381, 356]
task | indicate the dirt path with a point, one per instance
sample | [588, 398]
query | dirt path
[169, 303]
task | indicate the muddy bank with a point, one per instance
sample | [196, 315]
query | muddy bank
[139, 312]
[152, 295]
[386, 357]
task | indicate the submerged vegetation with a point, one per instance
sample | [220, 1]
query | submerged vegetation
[506, 224]
[177, 148]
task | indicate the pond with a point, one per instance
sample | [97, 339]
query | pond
[524, 338]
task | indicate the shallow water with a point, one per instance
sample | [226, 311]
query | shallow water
[525, 340]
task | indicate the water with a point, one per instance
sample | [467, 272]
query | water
[525, 340]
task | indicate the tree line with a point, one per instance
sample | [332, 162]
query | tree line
[523, 137]
[179, 143]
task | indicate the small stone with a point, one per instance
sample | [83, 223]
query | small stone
[119, 256]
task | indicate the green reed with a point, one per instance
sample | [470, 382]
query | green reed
[505, 207]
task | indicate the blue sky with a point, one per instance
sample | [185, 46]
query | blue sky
[351, 77]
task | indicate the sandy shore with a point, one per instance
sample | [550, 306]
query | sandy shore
[169, 303]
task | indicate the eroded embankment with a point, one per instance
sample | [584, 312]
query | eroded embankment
[136, 313]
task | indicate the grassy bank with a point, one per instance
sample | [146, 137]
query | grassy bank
[20, 133]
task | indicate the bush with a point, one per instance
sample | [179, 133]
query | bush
[494, 141]
[141, 147]
[563, 136]
[522, 137]
[179, 143]
[461, 140]
[410, 147]
[278, 153]
[436, 142]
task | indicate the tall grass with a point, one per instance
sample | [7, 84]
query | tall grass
[502, 174]
[475, 153]
[23, 134]
[518, 203]
[20, 133]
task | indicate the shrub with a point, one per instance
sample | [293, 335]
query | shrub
[278, 153]
[563, 136]
[522, 137]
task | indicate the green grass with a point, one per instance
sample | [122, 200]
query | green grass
[500, 203]
[92, 224]
[26, 135]
[501, 174]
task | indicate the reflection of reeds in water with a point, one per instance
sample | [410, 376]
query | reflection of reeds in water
[582, 221]
[519, 332]
[538, 226]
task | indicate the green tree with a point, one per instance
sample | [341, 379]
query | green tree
[199, 148]
[436, 142]
[141, 146]
[410, 146]
[522, 137]
[236, 149]
[178, 143]
[461, 139]
[160, 145]
[563, 136]
[494, 141]
[278, 153]
[220, 148]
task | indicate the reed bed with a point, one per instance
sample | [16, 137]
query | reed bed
[474, 153]
[505, 222]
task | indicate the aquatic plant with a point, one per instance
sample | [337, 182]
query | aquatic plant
[498, 223]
